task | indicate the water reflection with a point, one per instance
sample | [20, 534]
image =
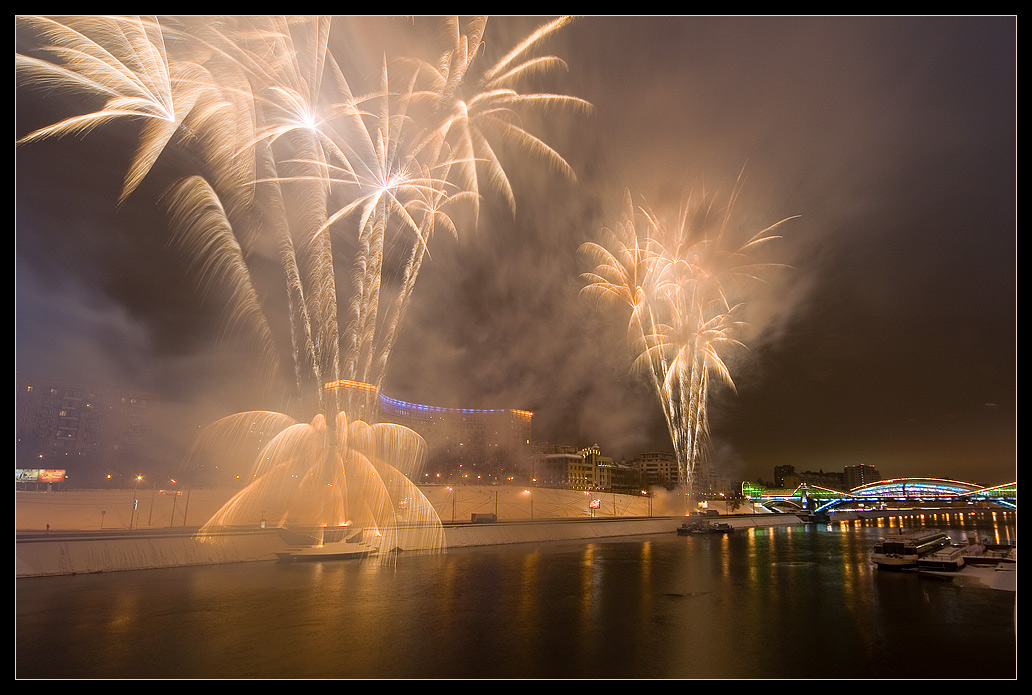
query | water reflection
[780, 602]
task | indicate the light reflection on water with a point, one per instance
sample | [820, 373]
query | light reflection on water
[786, 602]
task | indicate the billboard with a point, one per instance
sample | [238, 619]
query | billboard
[39, 475]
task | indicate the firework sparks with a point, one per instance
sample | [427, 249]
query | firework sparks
[123, 61]
[677, 283]
[290, 159]
[472, 111]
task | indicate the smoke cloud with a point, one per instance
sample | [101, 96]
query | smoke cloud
[880, 341]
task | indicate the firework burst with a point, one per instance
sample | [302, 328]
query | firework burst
[291, 164]
[678, 284]
[472, 111]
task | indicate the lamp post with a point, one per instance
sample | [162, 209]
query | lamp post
[175, 494]
[136, 501]
[186, 507]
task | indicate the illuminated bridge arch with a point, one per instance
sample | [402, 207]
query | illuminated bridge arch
[915, 487]
[895, 489]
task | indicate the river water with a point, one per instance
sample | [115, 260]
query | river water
[785, 602]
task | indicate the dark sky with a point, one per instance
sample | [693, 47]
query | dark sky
[889, 341]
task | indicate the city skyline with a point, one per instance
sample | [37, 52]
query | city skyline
[890, 341]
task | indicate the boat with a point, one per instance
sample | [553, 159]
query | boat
[904, 550]
[702, 526]
[340, 550]
[985, 552]
[994, 566]
[948, 559]
[333, 547]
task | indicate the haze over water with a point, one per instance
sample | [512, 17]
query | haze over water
[789, 602]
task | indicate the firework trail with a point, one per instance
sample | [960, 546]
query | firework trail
[677, 283]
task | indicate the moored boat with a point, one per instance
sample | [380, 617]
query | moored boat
[341, 550]
[948, 559]
[904, 550]
[335, 545]
[987, 553]
[700, 526]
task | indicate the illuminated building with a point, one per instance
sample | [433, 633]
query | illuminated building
[561, 467]
[465, 445]
[584, 469]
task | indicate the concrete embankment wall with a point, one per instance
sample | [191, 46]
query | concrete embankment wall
[50, 553]
[92, 510]
[468, 535]
[73, 532]
[55, 554]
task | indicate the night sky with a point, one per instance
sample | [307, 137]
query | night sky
[889, 339]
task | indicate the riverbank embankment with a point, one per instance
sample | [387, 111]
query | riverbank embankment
[51, 553]
[160, 508]
[74, 543]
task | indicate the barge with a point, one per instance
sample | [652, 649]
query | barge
[695, 526]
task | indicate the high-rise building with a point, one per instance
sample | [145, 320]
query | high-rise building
[90, 431]
[782, 472]
[861, 474]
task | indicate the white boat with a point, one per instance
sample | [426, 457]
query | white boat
[904, 550]
[987, 553]
[340, 550]
[989, 571]
[948, 559]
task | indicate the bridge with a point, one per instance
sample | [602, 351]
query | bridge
[894, 493]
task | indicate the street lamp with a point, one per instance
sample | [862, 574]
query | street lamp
[175, 495]
[136, 501]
